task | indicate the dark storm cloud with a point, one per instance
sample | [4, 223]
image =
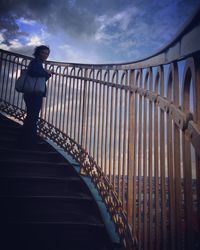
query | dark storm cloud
[54, 14]
[9, 29]
[77, 17]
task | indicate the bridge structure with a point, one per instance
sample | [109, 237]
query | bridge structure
[134, 128]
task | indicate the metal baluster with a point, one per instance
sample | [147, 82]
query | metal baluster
[111, 138]
[187, 168]
[107, 127]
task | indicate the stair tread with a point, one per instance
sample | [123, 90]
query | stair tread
[33, 160]
[9, 124]
[4, 138]
[18, 150]
[37, 170]
[62, 163]
[84, 220]
[70, 223]
[32, 157]
[58, 179]
[73, 196]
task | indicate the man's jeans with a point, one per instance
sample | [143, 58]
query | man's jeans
[33, 105]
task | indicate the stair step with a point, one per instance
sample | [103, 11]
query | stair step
[12, 143]
[6, 150]
[16, 154]
[9, 127]
[6, 122]
[15, 135]
[49, 209]
[38, 169]
[54, 236]
[41, 185]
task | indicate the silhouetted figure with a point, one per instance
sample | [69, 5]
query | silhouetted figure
[34, 102]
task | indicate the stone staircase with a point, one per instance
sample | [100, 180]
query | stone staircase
[44, 203]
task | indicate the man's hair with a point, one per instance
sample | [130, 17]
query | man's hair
[38, 49]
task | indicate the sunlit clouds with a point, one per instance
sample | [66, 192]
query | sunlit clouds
[35, 41]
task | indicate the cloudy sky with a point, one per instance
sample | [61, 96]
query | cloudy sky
[92, 31]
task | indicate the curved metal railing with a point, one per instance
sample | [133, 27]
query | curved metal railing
[135, 130]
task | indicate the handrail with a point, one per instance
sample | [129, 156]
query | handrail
[135, 130]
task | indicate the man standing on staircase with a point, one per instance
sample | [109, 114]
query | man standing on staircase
[34, 102]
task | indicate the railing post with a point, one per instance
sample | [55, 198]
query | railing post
[131, 151]
[197, 120]
[83, 129]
